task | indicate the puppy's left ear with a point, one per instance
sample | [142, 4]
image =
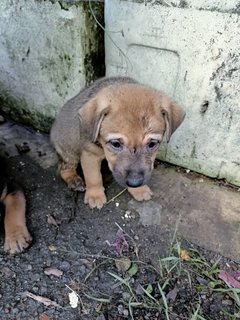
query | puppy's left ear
[173, 116]
[91, 115]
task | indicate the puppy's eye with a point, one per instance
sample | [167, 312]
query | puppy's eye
[115, 144]
[153, 144]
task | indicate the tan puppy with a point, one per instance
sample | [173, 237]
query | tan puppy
[117, 119]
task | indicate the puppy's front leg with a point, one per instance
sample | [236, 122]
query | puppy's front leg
[91, 166]
[69, 174]
[141, 193]
[17, 236]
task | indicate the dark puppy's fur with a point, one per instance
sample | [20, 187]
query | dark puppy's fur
[17, 237]
[117, 119]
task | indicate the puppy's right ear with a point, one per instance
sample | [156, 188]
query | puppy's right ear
[91, 115]
[173, 116]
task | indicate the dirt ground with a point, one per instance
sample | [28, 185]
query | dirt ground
[109, 261]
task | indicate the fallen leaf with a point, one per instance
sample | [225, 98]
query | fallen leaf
[123, 264]
[86, 262]
[53, 271]
[133, 270]
[229, 279]
[172, 294]
[184, 255]
[120, 242]
[46, 301]
[149, 288]
[73, 299]
[236, 275]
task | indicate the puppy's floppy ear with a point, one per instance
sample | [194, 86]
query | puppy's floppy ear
[173, 116]
[91, 115]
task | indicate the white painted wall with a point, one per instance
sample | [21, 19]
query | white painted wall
[193, 54]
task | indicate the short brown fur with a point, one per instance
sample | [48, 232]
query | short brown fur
[120, 120]
[17, 237]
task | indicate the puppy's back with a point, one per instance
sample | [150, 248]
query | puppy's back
[89, 92]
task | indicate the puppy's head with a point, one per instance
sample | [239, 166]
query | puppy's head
[129, 121]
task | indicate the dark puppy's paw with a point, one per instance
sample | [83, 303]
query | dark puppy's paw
[76, 184]
[72, 179]
[17, 239]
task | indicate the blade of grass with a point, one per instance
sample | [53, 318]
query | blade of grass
[196, 315]
[151, 297]
[122, 281]
[166, 309]
[96, 298]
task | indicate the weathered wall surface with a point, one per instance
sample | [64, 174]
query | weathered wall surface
[191, 51]
[48, 50]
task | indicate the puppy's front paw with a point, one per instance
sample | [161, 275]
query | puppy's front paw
[17, 239]
[76, 183]
[71, 178]
[141, 193]
[95, 197]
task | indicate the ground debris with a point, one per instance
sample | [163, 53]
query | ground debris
[229, 279]
[52, 221]
[23, 147]
[121, 245]
[53, 271]
[123, 264]
[46, 301]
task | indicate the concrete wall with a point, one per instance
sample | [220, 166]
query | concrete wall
[48, 50]
[191, 51]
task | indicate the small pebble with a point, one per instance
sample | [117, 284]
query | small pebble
[35, 289]
[125, 312]
[120, 309]
[65, 266]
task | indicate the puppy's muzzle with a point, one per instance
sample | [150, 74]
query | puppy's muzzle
[134, 179]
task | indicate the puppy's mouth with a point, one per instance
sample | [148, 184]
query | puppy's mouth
[132, 179]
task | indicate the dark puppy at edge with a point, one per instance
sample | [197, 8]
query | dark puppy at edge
[117, 119]
[17, 237]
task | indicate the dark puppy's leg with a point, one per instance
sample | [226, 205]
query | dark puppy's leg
[69, 174]
[17, 237]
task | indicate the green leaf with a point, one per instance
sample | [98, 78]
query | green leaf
[149, 288]
[133, 270]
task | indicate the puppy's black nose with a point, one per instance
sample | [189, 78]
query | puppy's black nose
[135, 179]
